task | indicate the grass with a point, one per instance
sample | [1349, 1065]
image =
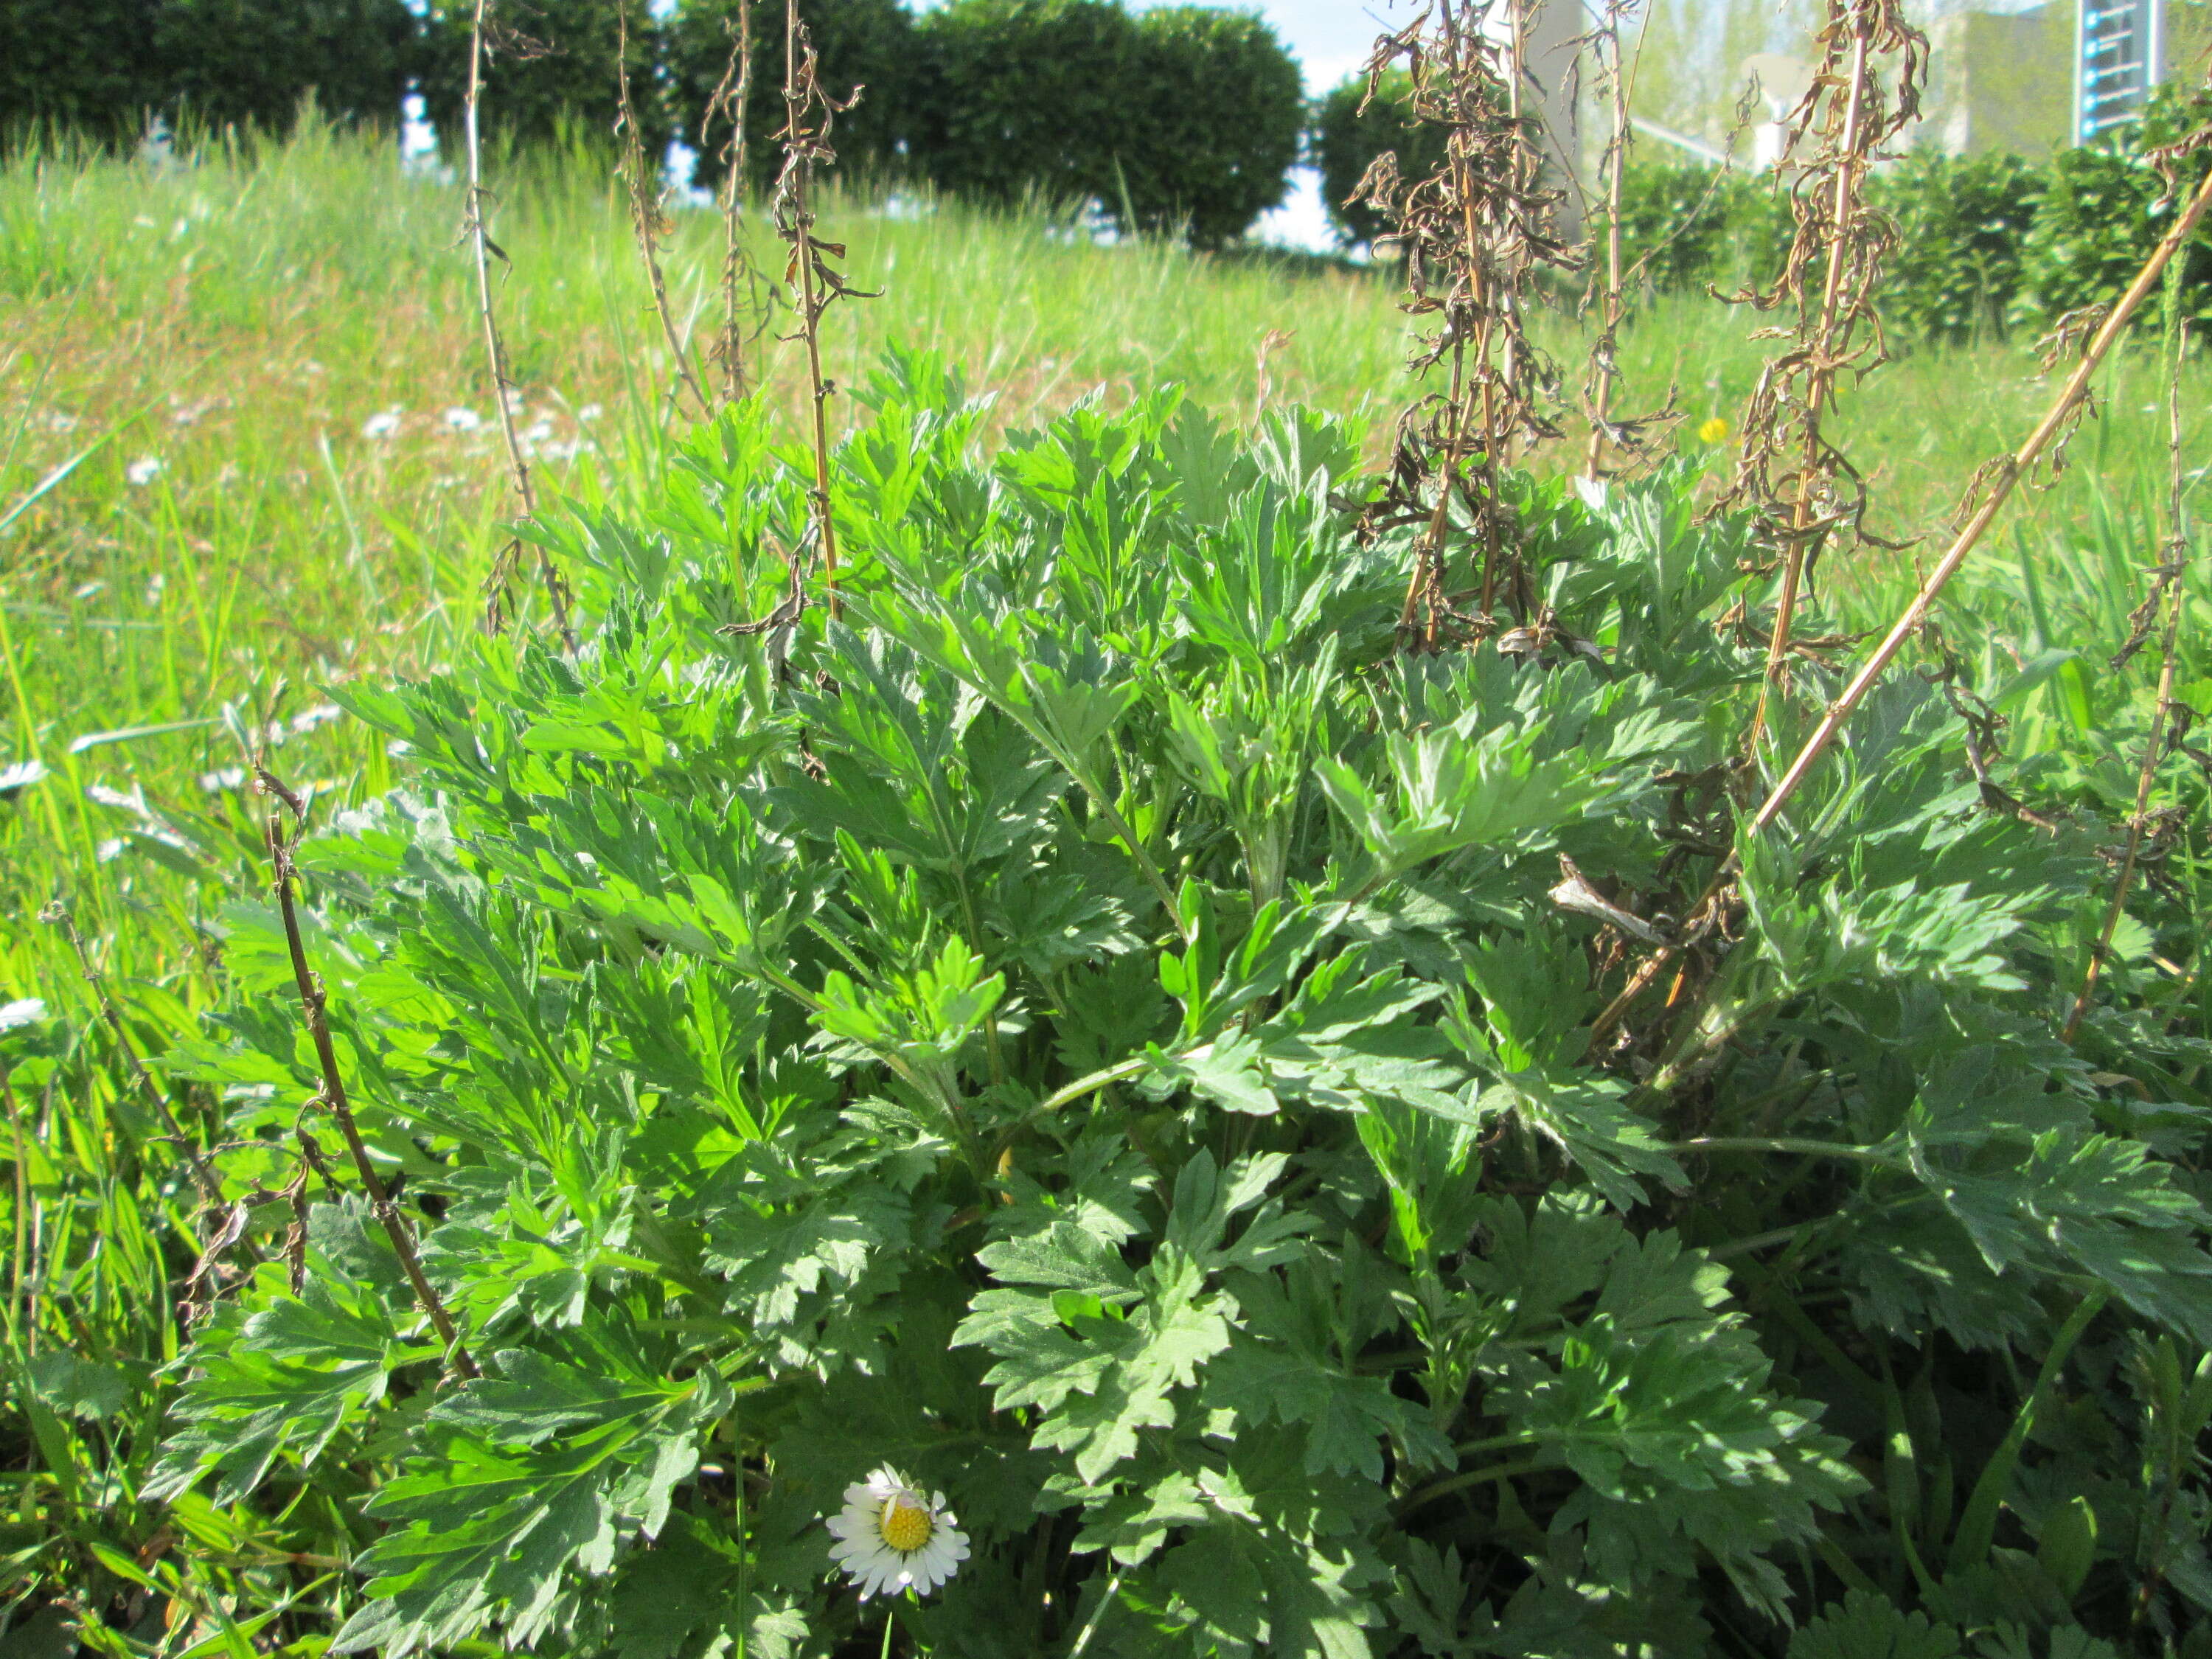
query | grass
[247, 450]
[264, 375]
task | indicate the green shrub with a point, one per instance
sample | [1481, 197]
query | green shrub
[250, 62]
[1961, 225]
[1343, 142]
[554, 77]
[864, 43]
[100, 68]
[79, 66]
[1026, 97]
[1675, 223]
[1217, 110]
[2100, 215]
[1102, 1031]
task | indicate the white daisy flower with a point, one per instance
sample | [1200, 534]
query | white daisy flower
[463, 420]
[140, 471]
[382, 424]
[891, 1538]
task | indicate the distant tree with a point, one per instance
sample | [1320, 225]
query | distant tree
[83, 65]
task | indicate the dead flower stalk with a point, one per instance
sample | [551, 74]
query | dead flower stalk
[648, 217]
[730, 101]
[314, 1008]
[483, 251]
[1474, 234]
[1865, 91]
[809, 113]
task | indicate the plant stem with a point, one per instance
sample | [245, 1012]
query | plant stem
[314, 1005]
[2007, 478]
[1970, 1545]
[646, 215]
[2172, 576]
[481, 248]
[795, 220]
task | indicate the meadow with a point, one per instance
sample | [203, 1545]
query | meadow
[259, 378]
[247, 454]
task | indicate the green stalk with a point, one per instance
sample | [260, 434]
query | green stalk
[1970, 1545]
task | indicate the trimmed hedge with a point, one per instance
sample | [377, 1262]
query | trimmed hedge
[869, 44]
[1342, 141]
[81, 66]
[560, 86]
[250, 62]
[2103, 210]
[101, 69]
[1218, 108]
[1023, 96]
[1183, 118]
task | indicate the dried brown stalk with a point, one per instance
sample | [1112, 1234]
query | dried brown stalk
[2167, 589]
[1803, 487]
[648, 217]
[1998, 482]
[1474, 234]
[731, 99]
[483, 250]
[313, 1005]
[2049, 431]
[809, 112]
[1627, 438]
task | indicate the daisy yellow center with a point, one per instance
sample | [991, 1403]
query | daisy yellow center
[906, 1527]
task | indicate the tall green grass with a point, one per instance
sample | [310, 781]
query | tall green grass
[230, 477]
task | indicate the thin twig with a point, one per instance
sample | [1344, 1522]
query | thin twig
[2172, 576]
[809, 112]
[1999, 481]
[483, 250]
[315, 1006]
[733, 97]
[2005, 479]
[646, 216]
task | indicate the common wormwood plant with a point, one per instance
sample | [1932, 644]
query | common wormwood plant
[1098, 1033]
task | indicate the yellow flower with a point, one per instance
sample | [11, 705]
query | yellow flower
[1713, 431]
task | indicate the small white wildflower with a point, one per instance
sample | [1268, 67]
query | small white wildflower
[463, 420]
[59, 421]
[382, 424]
[513, 401]
[321, 715]
[891, 1538]
[398, 748]
[590, 412]
[540, 430]
[110, 850]
[228, 777]
[21, 776]
[101, 795]
[141, 472]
